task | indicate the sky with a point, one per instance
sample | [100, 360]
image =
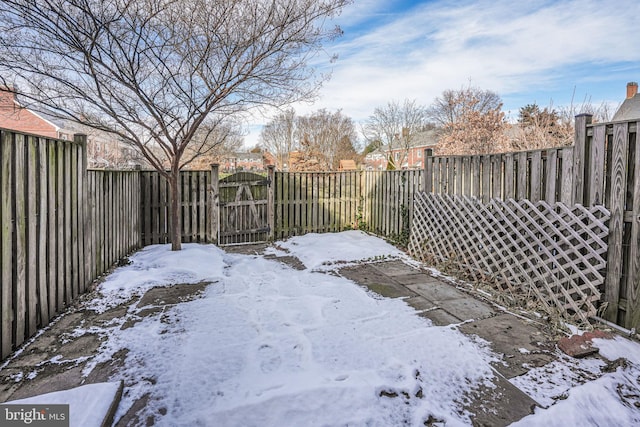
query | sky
[557, 53]
[270, 345]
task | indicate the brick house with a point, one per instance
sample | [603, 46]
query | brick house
[255, 162]
[15, 117]
[103, 149]
[403, 158]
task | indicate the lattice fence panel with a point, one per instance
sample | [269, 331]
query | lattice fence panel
[552, 252]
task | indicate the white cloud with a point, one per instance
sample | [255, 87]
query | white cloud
[524, 50]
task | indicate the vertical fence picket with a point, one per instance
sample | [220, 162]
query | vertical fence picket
[595, 186]
[566, 183]
[616, 223]
[42, 233]
[6, 245]
[509, 179]
[535, 176]
[31, 291]
[581, 122]
[20, 250]
[496, 176]
[551, 178]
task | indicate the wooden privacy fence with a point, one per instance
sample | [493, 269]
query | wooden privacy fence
[388, 202]
[321, 202]
[61, 227]
[195, 207]
[114, 217]
[316, 202]
[304, 202]
[601, 169]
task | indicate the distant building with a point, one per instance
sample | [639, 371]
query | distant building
[630, 108]
[254, 162]
[402, 158]
[103, 149]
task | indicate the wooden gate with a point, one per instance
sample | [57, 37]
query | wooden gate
[245, 208]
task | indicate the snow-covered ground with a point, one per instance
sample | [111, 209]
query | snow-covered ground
[268, 345]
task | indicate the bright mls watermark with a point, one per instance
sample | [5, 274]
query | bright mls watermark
[34, 415]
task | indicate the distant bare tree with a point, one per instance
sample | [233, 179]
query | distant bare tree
[278, 137]
[475, 129]
[452, 105]
[154, 72]
[554, 127]
[396, 125]
[212, 145]
[538, 129]
[325, 138]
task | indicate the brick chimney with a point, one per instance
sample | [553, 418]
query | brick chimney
[632, 89]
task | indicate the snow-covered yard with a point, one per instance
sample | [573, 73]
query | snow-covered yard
[269, 345]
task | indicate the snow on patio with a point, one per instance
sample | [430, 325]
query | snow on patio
[270, 345]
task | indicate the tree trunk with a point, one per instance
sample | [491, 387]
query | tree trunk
[175, 226]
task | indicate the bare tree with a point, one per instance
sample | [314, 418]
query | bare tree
[153, 72]
[211, 145]
[278, 137]
[475, 129]
[324, 138]
[538, 129]
[554, 127]
[396, 126]
[449, 107]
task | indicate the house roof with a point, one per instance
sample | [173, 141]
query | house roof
[247, 156]
[427, 138]
[629, 110]
[8, 99]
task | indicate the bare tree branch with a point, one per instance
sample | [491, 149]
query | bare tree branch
[154, 72]
[395, 126]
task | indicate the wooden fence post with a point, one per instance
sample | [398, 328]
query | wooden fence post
[580, 156]
[427, 185]
[270, 200]
[137, 200]
[215, 207]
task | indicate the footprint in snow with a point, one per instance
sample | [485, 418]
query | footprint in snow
[269, 358]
